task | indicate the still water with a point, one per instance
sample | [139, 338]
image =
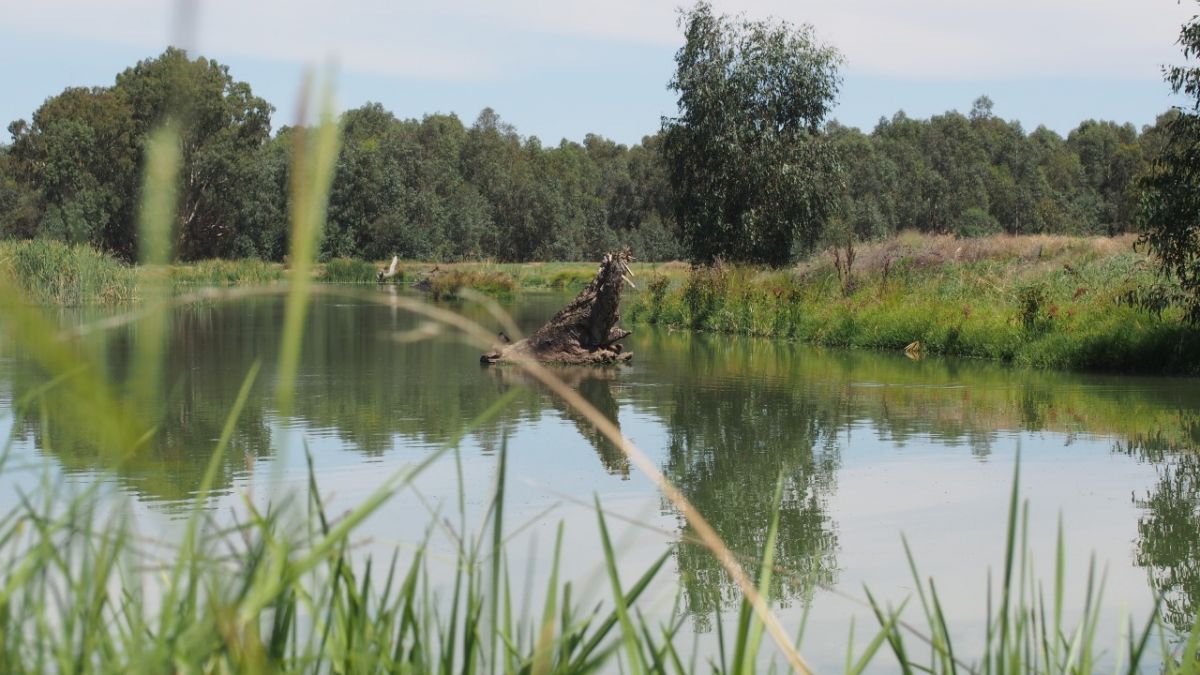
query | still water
[870, 446]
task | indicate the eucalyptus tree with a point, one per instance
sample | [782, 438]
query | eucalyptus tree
[1171, 198]
[80, 153]
[222, 125]
[749, 172]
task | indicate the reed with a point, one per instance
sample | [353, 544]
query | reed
[450, 283]
[53, 273]
[346, 270]
[218, 272]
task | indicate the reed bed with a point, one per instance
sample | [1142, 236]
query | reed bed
[347, 270]
[447, 284]
[53, 273]
[217, 272]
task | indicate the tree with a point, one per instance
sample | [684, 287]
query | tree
[19, 208]
[222, 126]
[1171, 198]
[747, 167]
[1111, 158]
[82, 153]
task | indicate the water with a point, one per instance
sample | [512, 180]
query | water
[869, 446]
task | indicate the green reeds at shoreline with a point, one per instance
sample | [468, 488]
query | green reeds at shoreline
[346, 270]
[1053, 302]
[53, 273]
[247, 271]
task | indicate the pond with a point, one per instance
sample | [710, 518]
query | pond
[869, 446]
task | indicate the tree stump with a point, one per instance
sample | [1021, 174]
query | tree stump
[584, 332]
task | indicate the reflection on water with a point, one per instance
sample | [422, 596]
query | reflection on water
[731, 438]
[1169, 527]
[724, 417]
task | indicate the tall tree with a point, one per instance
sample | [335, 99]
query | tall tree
[222, 126]
[747, 167]
[81, 154]
[1171, 200]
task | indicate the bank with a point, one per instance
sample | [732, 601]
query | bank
[1043, 301]
[1080, 303]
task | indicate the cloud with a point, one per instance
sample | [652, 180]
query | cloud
[484, 39]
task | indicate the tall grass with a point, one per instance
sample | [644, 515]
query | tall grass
[1055, 302]
[450, 283]
[217, 272]
[346, 270]
[53, 273]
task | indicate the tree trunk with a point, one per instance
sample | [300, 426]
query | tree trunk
[583, 332]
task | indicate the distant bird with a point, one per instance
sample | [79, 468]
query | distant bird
[389, 272]
[504, 337]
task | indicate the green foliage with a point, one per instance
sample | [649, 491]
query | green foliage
[53, 273]
[1036, 301]
[248, 271]
[1171, 202]
[441, 190]
[222, 127]
[352, 271]
[747, 166]
[1032, 300]
[448, 284]
[83, 150]
[574, 279]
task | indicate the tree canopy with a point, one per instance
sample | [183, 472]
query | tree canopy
[748, 168]
[1171, 199]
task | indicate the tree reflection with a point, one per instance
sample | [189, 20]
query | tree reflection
[1169, 525]
[355, 385]
[728, 446]
[594, 384]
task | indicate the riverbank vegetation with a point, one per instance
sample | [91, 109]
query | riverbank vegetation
[53, 273]
[1077, 303]
[1062, 302]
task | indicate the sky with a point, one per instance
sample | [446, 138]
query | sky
[562, 69]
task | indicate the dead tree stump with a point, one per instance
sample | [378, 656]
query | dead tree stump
[584, 332]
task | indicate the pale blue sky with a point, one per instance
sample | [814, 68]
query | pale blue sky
[562, 69]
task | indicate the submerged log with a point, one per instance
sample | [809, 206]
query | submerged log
[584, 332]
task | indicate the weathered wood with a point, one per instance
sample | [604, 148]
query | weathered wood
[389, 272]
[584, 332]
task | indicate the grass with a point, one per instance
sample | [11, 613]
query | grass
[448, 283]
[218, 272]
[53, 273]
[346, 270]
[1056, 302]
[85, 592]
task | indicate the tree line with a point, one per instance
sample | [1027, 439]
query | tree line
[750, 170]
